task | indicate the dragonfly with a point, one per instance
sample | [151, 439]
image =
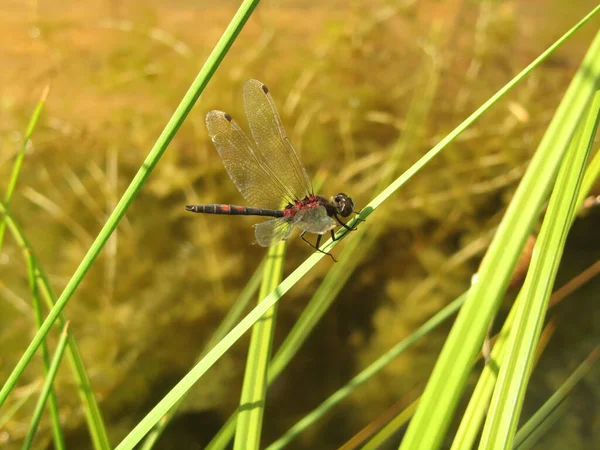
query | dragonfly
[270, 176]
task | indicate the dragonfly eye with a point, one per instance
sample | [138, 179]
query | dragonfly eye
[343, 204]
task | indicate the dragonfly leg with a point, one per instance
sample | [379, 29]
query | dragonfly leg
[316, 246]
[343, 224]
[318, 243]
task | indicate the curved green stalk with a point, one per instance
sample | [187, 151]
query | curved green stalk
[16, 170]
[59, 440]
[46, 390]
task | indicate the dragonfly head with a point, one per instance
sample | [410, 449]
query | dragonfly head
[344, 205]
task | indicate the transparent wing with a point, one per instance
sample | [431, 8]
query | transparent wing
[314, 220]
[271, 140]
[248, 170]
[272, 231]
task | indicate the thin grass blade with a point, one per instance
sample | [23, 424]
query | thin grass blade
[59, 441]
[46, 390]
[16, 170]
[551, 410]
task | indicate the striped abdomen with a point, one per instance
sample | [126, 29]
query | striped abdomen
[234, 210]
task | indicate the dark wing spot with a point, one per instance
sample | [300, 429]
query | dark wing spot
[265, 89]
[228, 117]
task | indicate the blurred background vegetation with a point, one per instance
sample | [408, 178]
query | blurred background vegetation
[343, 76]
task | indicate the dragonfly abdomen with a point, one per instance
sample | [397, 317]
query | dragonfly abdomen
[234, 210]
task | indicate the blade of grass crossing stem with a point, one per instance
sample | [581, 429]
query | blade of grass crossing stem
[367, 373]
[226, 325]
[199, 369]
[531, 441]
[16, 170]
[531, 432]
[158, 149]
[59, 441]
[509, 392]
[90, 405]
[446, 384]
[46, 390]
[252, 402]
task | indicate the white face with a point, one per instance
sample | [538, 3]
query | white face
[343, 204]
